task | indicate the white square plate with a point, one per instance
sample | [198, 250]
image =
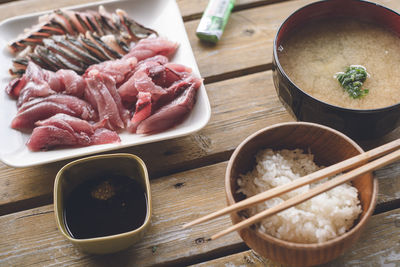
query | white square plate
[161, 15]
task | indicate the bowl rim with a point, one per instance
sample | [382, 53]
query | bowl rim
[59, 217]
[280, 68]
[269, 238]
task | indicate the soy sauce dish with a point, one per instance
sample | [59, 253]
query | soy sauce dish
[103, 203]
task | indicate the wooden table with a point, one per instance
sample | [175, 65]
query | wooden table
[187, 173]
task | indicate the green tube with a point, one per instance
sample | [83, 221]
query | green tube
[214, 19]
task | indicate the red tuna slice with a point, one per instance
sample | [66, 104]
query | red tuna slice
[144, 83]
[176, 89]
[159, 59]
[53, 80]
[118, 69]
[68, 122]
[33, 84]
[150, 47]
[100, 97]
[33, 90]
[48, 137]
[80, 107]
[171, 114]
[26, 120]
[143, 111]
[104, 136]
[109, 82]
[73, 83]
[178, 67]
[128, 91]
[163, 76]
[34, 72]
[63, 80]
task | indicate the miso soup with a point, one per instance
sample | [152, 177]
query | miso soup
[313, 54]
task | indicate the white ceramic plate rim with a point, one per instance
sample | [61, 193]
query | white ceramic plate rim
[161, 15]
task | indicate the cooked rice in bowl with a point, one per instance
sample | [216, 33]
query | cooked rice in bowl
[319, 219]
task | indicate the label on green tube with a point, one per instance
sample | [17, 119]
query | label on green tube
[214, 19]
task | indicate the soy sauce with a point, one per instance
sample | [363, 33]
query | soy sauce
[105, 206]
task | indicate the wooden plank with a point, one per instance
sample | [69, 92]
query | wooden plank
[189, 9]
[370, 250]
[32, 236]
[230, 114]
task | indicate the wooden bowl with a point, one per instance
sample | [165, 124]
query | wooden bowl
[329, 146]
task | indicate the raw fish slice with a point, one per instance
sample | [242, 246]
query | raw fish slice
[73, 83]
[144, 83]
[135, 29]
[160, 59]
[34, 72]
[106, 48]
[75, 48]
[163, 76]
[80, 107]
[52, 80]
[48, 137]
[151, 47]
[37, 74]
[109, 82]
[64, 130]
[118, 69]
[36, 33]
[113, 42]
[128, 91]
[99, 96]
[74, 20]
[34, 90]
[95, 49]
[178, 67]
[104, 136]
[142, 111]
[177, 89]
[69, 122]
[171, 114]
[26, 119]
[64, 52]
[68, 39]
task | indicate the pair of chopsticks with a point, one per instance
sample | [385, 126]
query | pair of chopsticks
[359, 161]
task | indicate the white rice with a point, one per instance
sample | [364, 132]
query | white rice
[321, 218]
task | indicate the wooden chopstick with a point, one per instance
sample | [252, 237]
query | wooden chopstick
[313, 177]
[373, 165]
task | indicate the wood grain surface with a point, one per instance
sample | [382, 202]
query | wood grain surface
[191, 169]
[33, 233]
[385, 226]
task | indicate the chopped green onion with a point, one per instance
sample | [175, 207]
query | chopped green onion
[352, 80]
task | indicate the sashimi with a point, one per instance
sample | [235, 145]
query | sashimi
[171, 114]
[26, 119]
